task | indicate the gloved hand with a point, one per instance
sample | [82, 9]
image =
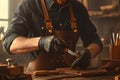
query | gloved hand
[83, 61]
[51, 43]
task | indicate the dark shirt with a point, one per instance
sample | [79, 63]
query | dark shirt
[28, 21]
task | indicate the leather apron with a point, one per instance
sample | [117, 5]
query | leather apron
[51, 60]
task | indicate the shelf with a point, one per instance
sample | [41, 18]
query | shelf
[100, 14]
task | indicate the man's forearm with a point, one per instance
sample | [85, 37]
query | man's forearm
[94, 49]
[23, 45]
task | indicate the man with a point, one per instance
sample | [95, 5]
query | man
[44, 38]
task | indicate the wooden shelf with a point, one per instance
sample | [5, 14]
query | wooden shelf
[100, 14]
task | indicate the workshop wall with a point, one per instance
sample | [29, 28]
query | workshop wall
[106, 21]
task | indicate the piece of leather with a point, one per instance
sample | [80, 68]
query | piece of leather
[52, 61]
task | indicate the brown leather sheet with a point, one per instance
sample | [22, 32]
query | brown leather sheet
[67, 73]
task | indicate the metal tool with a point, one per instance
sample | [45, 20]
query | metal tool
[75, 63]
[77, 55]
[9, 62]
[71, 52]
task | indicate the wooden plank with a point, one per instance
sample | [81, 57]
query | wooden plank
[45, 72]
[61, 73]
[55, 77]
[87, 72]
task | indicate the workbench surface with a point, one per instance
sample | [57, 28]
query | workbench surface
[69, 74]
[57, 77]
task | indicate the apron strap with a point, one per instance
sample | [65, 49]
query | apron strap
[48, 21]
[73, 19]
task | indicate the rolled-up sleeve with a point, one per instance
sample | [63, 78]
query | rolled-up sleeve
[89, 35]
[87, 29]
[19, 26]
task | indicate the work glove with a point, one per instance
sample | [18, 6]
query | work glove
[83, 60]
[51, 43]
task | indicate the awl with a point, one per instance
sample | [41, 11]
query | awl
[71, 52]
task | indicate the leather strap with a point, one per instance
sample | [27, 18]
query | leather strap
[73, 19]
[48, 21]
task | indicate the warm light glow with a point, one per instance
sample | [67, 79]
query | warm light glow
[4, 24]
[4, 9]
[102, 39]
[4, 13]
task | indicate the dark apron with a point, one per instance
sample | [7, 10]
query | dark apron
[52, 61]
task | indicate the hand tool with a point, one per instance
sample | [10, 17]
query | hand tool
[77, 55]
[67, 50]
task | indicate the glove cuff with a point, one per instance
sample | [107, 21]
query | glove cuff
[41, 43]
[45, 43]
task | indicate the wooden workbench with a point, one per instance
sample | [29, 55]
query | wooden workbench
[57, 77]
